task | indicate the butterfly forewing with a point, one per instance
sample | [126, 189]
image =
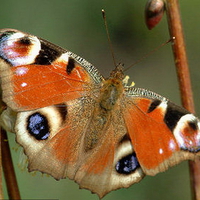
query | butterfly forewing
[153, 123]
[36, 73]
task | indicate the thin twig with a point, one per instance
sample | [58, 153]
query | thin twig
[1, 168]
[1, 177]
[9, 173]
[175, 29]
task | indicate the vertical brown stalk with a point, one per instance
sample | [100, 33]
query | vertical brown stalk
[7, 164]
[180, 57]
[8, 169]
[1, 178]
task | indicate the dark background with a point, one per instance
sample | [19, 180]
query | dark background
[78, 26]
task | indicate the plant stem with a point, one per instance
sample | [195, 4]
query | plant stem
[180, 57]
[9, 173]
[1, 177]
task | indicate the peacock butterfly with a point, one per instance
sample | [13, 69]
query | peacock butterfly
[102, 133]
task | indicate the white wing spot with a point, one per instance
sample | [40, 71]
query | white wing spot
[172, 145]
[24, 84]
[160, 151]
[21, 71]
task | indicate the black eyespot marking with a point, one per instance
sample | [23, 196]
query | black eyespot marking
[70, 65]
[6, 34]
[127, 165]
[25, 41]
[193, 125]
[38, 127]
[125, 138]
[62, 109]
[173, 114]
[47, 54]
[154, 105]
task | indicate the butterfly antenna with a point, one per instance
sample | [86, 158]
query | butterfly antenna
[149, 53]
[108, 36]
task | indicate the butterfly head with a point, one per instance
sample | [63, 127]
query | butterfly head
[118, 72]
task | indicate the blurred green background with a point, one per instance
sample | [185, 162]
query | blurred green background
[78, 26]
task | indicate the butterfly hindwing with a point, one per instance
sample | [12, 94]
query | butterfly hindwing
[60, 147]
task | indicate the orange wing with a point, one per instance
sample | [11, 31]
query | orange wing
[36, 73]
[162, 133]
